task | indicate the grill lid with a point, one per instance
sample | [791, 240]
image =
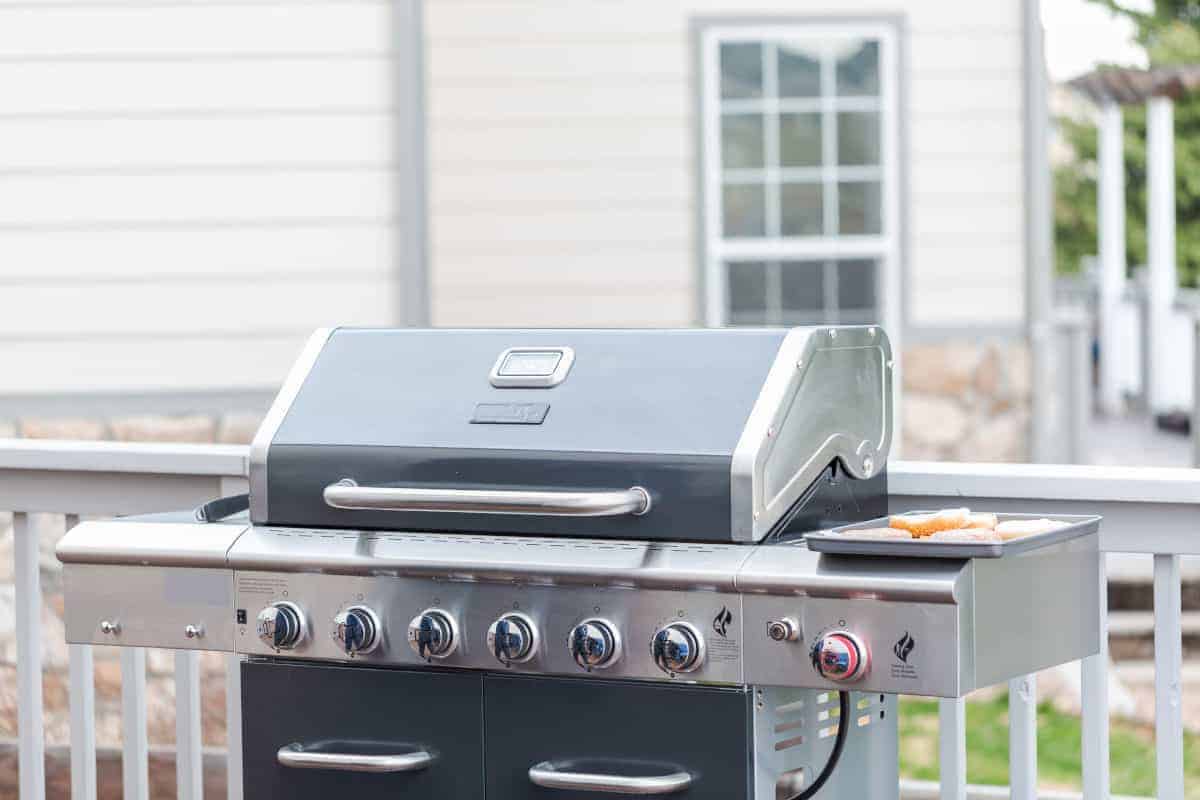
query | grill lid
[658, 434]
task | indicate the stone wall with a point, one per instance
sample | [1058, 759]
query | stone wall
[966, 401]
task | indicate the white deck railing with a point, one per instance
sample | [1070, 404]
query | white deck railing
[1154, 511]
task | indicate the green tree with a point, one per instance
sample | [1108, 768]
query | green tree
[1171, 36]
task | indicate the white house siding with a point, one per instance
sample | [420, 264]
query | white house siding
[562, 156]
[189, 187]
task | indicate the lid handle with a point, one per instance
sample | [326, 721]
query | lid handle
[346, 494]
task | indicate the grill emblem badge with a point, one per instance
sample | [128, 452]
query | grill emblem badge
[721, 622]
[904, 647]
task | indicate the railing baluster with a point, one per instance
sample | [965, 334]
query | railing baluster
[233, 726]
[952, 748]
[1168, 677]
[1094, 690]
[28, 587]
[189, 767]
[1022, 737]
[135, 748]
[82, 698]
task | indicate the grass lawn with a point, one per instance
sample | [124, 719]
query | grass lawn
[1132, 748]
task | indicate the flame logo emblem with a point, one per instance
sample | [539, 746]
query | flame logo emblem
[904, 647]
[721, 622]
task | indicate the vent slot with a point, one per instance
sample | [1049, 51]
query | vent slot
[788, 744]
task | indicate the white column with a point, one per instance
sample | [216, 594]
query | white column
[1160, 237]
[1022, 737]
[1110, 209]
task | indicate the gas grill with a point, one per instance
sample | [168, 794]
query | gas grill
[554, 564]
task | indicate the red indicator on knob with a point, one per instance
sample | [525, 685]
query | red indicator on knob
[841, 656]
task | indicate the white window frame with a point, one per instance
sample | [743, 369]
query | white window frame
[884, 247]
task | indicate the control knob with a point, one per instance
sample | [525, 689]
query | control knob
[356, 630]
[281, 625]
[513, 639]
[677, 647]
[433, 634]
[841, 656]
[595, 644]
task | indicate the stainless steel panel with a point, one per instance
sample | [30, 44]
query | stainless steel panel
[166, 544]
[261, 444]
[804, 419]
[794, 734]
[930, 666]
[555, 609]
[149, 606]
[1035, 610]
[494, 558]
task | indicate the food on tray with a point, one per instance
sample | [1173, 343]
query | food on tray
[981, 519]
[1016, 528]
[877, 533]
[965, 535]
[921, 525]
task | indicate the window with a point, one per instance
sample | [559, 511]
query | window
[800, 176]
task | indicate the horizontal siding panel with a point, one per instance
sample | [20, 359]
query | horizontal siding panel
[931, 54]
[545, 309]
[533, 59]
[920, 14]
[63, 145]
[167, 199]
[361, 83]
[566, 187]
[548, 103]
[146, 364]
[933, 140]
[999, 179]
[92, 256]
[196, 30]
[583, 269]
[966, 305]
[210, 306]
[981, 224]
[599, 227]
[578, 20]
[952, 97]
[463, 149]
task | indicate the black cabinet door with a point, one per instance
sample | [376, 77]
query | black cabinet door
[361, 733]
[687, 743]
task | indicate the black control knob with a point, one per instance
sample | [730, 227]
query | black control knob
[677, 647]
[281, 625]
[595, 644]
[513, 639]
[433, 634]
[356, 630]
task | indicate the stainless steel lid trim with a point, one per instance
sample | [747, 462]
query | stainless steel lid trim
[764, 481]
[261, 445]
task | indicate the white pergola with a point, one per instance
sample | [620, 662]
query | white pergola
[1111, 89]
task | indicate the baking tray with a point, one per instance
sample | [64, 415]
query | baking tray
[831, 542]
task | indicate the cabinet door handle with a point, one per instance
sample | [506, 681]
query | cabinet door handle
[296, 756]
[548, 776]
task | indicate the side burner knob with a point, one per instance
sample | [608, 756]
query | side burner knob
[513, 639]
[595, 644]
[784, 629]
[677, 647]
[841, 656]
[433, 634]
[281, 625]
[356, 630]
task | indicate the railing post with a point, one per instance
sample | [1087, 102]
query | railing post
[1075, 369]
[1168, 677]
[1094, 691]
[135, 748]
[1022, 737]
[28, 587]
[952, 748]
[82, 700]
[1196, 389]
[233, 727]
[189, 767]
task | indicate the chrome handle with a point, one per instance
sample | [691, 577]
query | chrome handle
[549, 776]
[296, 757]
[347, 494]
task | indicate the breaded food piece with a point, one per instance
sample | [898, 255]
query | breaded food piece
[877, 533]
[1016, 528]
[920, 525]
[965, 535]
[981, 519]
